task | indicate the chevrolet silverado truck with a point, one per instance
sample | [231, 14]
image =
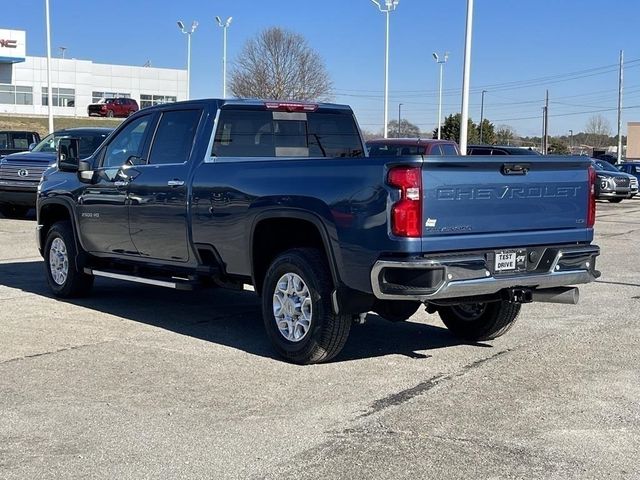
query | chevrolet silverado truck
[282, 196]
[20, 172]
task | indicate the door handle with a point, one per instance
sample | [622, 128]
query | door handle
[175, 183]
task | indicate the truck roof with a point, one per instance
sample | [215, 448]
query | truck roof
[249, 102]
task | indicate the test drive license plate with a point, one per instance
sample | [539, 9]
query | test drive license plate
[510, 261]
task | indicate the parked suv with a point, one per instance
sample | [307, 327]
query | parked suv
[612, 184]
[632, 168]
[113, 107]
[21, 172]
[14, 141]
[390, 147]
[499, 150]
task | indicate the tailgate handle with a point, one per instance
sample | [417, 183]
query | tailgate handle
[515, 168]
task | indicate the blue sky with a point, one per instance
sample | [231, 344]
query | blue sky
[514, 41]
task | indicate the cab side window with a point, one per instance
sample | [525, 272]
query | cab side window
[174, 137]
[129, 142]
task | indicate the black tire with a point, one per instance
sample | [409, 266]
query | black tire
[616, 200]
[480, 321]
[327, 332]
[110, 113]
[14, 211]
[76, 283]
[396, 310]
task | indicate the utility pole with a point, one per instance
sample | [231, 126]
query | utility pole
[621, 70]
[466, 74]
[399, 118]
[545, 123]
[482, 114]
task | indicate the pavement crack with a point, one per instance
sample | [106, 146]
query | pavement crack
[52, 352]
[404, 396]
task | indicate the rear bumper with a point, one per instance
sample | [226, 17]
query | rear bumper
[469, 275]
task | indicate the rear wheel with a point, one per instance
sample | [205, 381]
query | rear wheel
[615, 200]
[110, 113]
[14, 211]
[297, 309]
[480, 321]
[64, 278]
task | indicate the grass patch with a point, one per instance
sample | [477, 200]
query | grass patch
[40, 124]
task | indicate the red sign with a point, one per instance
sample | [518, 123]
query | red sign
[8, 43]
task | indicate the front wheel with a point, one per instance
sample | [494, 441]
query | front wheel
[615, 200]
[63, 277]
[297, 308]
[480, 321]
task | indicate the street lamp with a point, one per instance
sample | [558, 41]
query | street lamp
[482, 114]
[62, 50]
[399, 117]
[571, 141]
[49, 88]
[194, 25]
[224, 26]
[389, 6]
[441, 63]
[466, 74]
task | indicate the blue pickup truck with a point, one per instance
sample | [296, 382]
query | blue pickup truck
[282, 196]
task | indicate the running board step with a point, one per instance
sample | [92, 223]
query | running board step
[176, 284]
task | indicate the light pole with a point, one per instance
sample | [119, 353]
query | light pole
[466, 73]
[482, 114]
[62, 50]
[224, 26]
[441, 63]
[399, 118]
[194, 25]
[49, 89]
[571, 141]
[389, 6]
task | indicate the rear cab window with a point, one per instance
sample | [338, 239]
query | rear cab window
[243, 132]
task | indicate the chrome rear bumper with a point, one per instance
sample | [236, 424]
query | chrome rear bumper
[469, 275]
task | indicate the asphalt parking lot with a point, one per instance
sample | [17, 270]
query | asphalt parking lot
[138, 382]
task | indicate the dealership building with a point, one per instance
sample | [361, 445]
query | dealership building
[76, 83]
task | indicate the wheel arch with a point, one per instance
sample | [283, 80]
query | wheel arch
[51, 211]
[307, 223]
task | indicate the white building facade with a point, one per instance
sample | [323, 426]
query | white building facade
[77, 83]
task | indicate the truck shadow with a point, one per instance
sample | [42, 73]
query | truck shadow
[230, 318]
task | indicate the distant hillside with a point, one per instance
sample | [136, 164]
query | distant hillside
[40, 124]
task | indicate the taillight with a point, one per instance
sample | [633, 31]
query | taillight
[406, 214]
[591, 209]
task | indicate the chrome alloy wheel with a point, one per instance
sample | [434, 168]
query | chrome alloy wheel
[58, 261]
[292, 307]
[470, 311]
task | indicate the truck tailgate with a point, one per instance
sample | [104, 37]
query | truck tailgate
[485, 202]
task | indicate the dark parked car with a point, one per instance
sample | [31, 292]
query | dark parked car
[391, 147]
[499, 150]
[113, 107]
[20, 172]
[632, 168]
[612, 184]
[14, 141]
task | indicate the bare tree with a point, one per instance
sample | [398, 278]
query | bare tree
[504, 135]
[598, 130]
[278, 64]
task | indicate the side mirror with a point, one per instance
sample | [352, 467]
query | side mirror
[86, 173]
[68, 154]
[32, 146]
